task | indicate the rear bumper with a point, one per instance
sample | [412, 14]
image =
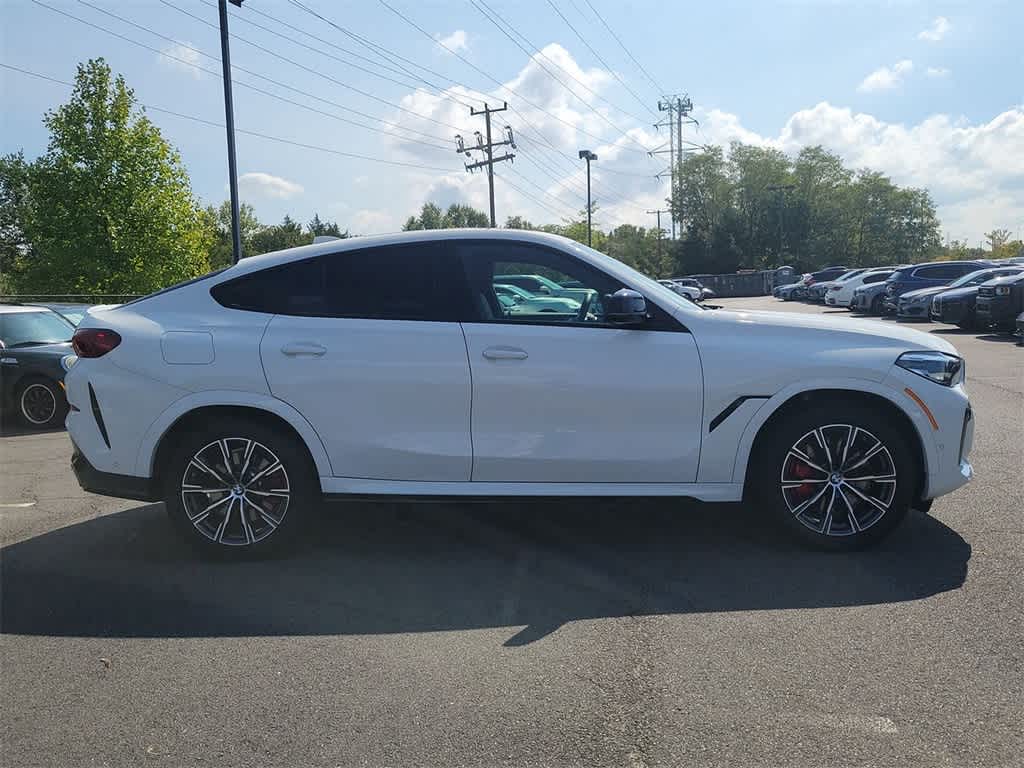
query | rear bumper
[109, 484]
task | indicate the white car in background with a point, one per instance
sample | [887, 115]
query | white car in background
[840, 294]
[386, 366]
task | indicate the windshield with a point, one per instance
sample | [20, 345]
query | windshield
[21, 329]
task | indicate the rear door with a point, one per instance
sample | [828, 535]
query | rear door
[567, 397]
[366, 344]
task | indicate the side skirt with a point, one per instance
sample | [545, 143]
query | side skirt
[344, 488]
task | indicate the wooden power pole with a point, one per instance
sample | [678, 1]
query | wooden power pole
[486, 145]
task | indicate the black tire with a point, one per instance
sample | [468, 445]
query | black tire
[40, 403]
[272, 527]
[795, 506]
[876, 306]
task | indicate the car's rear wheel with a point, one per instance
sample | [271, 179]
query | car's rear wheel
[968, 323]
[237, 488]
[839, 478]
[41, 403]
[876, 305]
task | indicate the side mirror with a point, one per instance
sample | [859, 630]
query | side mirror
[625, 307]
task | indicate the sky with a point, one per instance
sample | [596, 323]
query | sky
[930, 93]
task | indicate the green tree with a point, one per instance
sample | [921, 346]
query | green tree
[518, 222]
[457, 215]
[639, 248]
[431, 217]
[997, 238]
[318, 227]
[110, 209]
[277, 237]
[218, 222]
[14, 245]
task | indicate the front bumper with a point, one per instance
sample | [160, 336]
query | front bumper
[110, 484]
[916, 311]
[997, 311]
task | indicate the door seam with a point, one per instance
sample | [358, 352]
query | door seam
[469, 367]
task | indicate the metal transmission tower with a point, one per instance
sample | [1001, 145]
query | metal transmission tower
[485, 145]
[678, 109]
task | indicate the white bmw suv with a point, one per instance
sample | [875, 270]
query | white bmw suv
[387, 366]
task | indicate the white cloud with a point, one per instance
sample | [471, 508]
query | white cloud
[975, 171]
[937, 31]
[457, 41]
[186, 59]
[264, 185]
[937, 72]
[886, 78]
[373, 222]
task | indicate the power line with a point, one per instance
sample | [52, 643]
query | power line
[487, 147]
[270, 52]
[257, 134]
[251, 87]
[492, 16]
[622, 45]
[490, 77]
[381, 51]
[596, 54]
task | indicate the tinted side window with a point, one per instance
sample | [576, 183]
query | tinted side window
[406, 282]
[491, 266]
[875, 278]
[936, 272]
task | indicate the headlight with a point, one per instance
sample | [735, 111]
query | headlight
[937, 366]
[1002, 290]
[67, 361]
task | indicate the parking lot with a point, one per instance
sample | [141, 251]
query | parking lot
[588, 632]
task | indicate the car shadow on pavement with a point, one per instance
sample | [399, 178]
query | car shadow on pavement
[391, 567]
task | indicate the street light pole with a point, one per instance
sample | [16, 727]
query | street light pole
[229, 121]
[586, 154]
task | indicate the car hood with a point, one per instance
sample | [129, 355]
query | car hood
[922, 292]
[959, 293]
[848, 331]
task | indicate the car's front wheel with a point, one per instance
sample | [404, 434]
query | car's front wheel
[236, 488]
[838, 477]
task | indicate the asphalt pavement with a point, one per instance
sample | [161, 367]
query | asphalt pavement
[608, 632]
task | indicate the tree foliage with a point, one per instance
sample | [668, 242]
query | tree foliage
[108, 208]
[757, 207]
[260, 238]
[458, 215]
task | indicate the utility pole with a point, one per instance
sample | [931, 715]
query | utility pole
[661, 231]
[586, 154]
[487, 148]
[678, 109]
[229, 121]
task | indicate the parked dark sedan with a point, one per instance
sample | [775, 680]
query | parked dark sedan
[916, 305]
[35, 353]
[956, 306]
[917, 276]
[999, 302]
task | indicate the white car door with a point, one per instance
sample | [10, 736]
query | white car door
[569, 397]
[362, 349]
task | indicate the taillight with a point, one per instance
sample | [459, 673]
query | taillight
[94, 342]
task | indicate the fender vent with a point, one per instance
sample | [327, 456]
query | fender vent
[98, 415]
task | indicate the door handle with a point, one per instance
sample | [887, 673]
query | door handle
[505, 353]
[303, 349]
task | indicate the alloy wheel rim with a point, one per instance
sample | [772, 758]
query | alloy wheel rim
[235, 491]
[38, 403]
[838, 480]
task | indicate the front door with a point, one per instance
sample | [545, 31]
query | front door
[560, 395]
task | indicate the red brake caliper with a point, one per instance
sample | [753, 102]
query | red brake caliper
[802, 471]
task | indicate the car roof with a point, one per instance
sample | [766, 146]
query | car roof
[263, 260]
[10, 309]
